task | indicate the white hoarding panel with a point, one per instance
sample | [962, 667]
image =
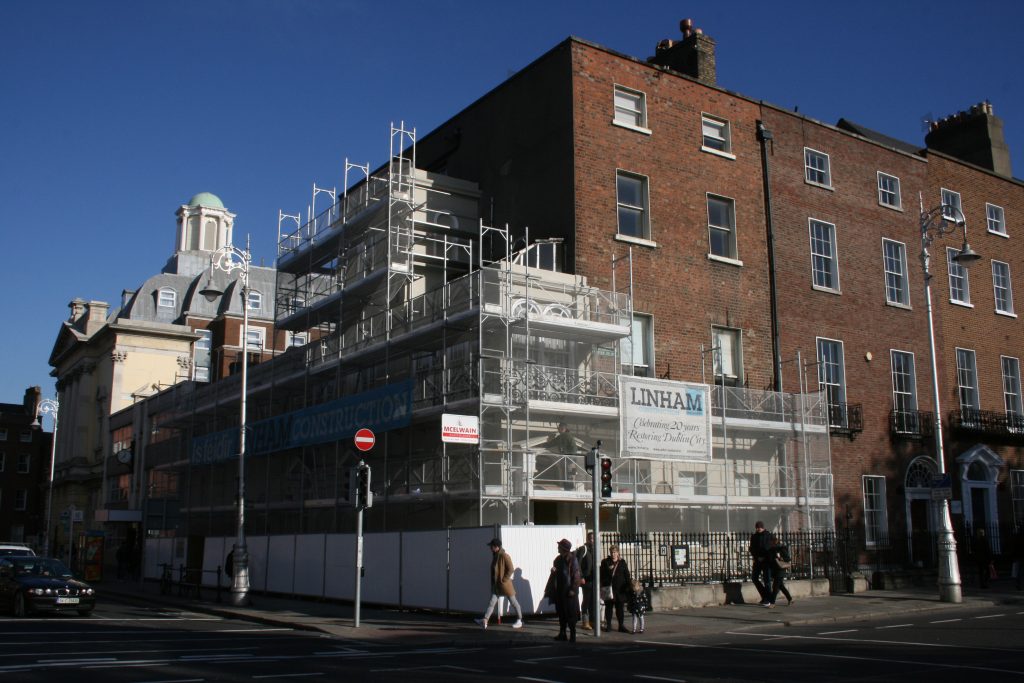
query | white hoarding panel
[309, 564]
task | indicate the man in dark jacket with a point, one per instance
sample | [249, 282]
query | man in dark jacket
[760, 554]
[585, 556]
[562, 590]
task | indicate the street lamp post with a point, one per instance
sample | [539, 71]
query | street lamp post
[939, 222]
[50, 406]
[229, 259]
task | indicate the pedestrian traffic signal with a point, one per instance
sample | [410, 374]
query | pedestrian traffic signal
[364, 496]
[606, 477]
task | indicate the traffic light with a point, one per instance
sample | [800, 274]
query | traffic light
[590, 460]
[364, 496]
[606, 477]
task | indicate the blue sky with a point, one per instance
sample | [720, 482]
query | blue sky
[116, 112]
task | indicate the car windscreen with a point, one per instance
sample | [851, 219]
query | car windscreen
[39, 566]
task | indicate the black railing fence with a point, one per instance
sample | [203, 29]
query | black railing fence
[676, 558]
[918, 550]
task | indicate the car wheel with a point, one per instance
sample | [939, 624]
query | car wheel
[20, 608]
[85, 612]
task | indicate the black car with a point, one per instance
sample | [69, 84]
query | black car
[29, 583]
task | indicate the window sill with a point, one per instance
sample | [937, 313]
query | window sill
[637, 240]
[725, 259]
[1006, 314]
[718, 153]
[998, 234]
[891, 207]
[822, 186]
[893, 304]
[827, 290]
[965, 304]
[637, 129]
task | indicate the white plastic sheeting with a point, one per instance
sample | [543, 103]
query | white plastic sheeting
[443, 569]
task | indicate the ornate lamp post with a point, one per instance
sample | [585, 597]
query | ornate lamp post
[50, 406]
[938, 222]
[229, 259]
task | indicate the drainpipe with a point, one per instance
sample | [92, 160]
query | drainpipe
[764, 136]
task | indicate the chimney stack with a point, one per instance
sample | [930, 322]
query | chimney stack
[974, 136]
[694, 55]
[96, 316]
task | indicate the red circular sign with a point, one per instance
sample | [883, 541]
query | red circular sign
[365, 439]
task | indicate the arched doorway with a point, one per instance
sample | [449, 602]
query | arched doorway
[920, 513]
[979, 468]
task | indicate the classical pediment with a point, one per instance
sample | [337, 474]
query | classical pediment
[67, 339]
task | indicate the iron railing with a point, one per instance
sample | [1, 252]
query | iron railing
[676, 558]
[846, 418]
[1009, 426]
[911, 424]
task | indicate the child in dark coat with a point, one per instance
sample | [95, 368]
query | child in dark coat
[639, 603]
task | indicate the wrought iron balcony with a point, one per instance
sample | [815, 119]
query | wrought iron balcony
[911, 424]
[846, 418]
[1009, 426]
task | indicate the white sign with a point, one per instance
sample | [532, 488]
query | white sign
[664, 420]
[460, 428]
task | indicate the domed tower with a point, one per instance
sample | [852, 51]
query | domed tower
[204, 224]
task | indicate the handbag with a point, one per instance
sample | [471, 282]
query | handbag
[606, 594]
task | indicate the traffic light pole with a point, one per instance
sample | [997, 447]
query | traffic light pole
[359, 561]
[363, 500]
[595, 590]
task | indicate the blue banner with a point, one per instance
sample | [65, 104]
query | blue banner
[382, 409]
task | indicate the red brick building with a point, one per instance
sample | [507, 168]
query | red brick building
[781, 235]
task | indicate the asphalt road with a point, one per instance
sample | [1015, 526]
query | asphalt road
[153, 645]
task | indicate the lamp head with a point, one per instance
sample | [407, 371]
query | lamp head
[210, 292]
[967, 256]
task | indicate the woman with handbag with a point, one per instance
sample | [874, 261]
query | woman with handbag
[616, 585]
[780, 561]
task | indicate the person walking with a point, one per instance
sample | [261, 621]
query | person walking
[562, 590]
[780, 561]
[501, 584]
[761, 572]
[616, 585]
[1017, 548]
[982, 552]
[585, 556]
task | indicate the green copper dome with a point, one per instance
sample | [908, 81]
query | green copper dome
[207, 199]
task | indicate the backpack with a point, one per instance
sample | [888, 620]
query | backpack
[782, 558]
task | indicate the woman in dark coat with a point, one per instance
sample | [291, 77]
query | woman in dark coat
[563, 589]
[615, 573]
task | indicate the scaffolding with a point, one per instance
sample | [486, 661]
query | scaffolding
[399, 280]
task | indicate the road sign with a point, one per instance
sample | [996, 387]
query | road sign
[942, 487]
[365, 439]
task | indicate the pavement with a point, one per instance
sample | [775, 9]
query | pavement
[434, 628]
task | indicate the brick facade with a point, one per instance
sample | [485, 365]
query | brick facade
[687, 293]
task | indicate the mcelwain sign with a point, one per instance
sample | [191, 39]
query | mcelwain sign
[664, 420]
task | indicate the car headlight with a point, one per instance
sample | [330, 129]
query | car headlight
[36, 591]
[88, 591]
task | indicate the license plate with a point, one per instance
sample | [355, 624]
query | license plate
[67, 601]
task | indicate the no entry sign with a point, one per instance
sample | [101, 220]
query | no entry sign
[365, 439]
